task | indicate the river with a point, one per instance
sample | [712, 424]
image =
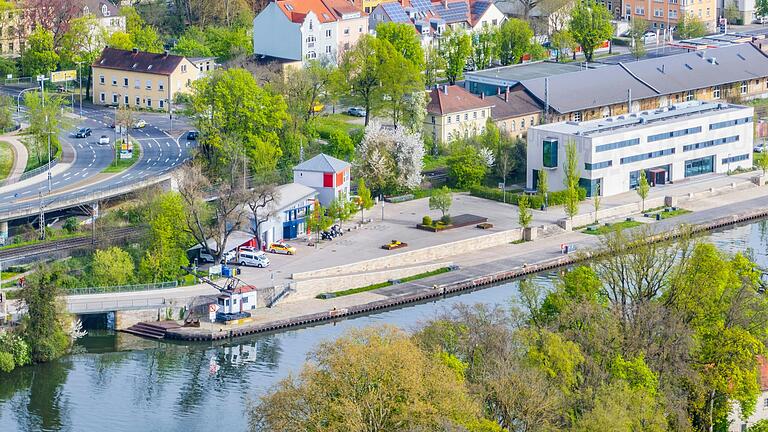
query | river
[118, 382]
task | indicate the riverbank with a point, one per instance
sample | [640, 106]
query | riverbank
[521, 260]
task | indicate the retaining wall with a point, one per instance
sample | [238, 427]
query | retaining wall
[427, 254]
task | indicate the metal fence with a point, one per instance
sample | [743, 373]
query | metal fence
[122, 288]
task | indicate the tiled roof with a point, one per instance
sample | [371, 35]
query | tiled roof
[95, 7]
[140, 61]
[325, 10]
[322, 163]
[456, 100]
[513, 104]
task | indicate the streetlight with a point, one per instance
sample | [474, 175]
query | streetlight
[42, 79]
[80, 84]
[115, 132]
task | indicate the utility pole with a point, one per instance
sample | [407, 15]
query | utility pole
[42, 216]
[80, 84]
[42, 79]
[115, 135]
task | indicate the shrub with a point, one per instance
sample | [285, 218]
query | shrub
[446, 219]
[426, 220]
[6, 362]
[70, 225]
[534, 201]
[466, 168]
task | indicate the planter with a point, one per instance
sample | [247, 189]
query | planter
[399, 198]
[433, 228]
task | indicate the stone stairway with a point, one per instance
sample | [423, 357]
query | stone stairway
[152, 330]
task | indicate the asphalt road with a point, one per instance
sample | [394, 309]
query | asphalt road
[160, 152]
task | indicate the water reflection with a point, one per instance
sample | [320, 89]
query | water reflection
[119, 382]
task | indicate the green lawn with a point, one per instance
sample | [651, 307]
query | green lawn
[603, 229]
[32, 160]
[341, 121]
[673, 213]
[6, 159]
[120, 165]
[386, 284]
[432, 163]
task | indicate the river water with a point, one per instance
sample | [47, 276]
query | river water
[118, 382]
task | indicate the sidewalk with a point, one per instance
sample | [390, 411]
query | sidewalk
[20, 156]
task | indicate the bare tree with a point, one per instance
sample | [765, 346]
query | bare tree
[262, 200]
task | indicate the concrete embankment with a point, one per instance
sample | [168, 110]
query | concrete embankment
[426, 291]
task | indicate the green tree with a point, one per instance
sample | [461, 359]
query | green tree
[142, 36]
[112, 267]
[319, 221]
[340, 145]
[761, 9]
[597, 200]
[227, 43]
[617, 407]
[643, 188]
[441, 200]
[690, 26]
[524, 216]
[373, 379]
[228, 106]
[120, 40]
[466, 168]
[341, 209]
[192, 44]
[6, 112]
[761, 160]
[563, 42]
[515, 40]
[71, 225]
[365, 201]
[571, 180]
[361, 71]
[732, 13]
[43, 327]
[542, 186]
[14, 351]
[485, 47]
[167, 239]
[637, 30]
[45, 122]
[455, 48]
[590, 26]
[760, 426]
[400, 80]
[82, 42]
[404, 40]
[40, 56]
[435, 66]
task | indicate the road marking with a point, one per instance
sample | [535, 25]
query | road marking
[56, 183]
[178, 145]
[167, 159]
[24, 193]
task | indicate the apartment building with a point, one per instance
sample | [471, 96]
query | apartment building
[664, 14]
[307, 29]
[669, 144]
[140, 80]
[453, 112]
[514, 113]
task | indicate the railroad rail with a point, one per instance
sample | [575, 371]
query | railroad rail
[47, 247]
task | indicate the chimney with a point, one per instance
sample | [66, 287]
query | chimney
[482, 96]
[445, 4]
[445, 89]
[135, 50]
[506, 95]
[498, 91]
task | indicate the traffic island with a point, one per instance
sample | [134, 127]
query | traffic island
[126, 155]
[459, 221]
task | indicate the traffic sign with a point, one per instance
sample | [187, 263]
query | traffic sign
[61, 76]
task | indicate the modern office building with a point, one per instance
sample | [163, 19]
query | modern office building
[670, 144]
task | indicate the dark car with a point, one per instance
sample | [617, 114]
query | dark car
[83, 132]
[192, 135]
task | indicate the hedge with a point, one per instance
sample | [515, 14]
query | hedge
[534, 201]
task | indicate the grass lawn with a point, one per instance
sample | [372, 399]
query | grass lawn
[603, 229]
[341, 121]
[120, 165]
[6, 159]
[673, 213]
[386, 284]
[432, 163]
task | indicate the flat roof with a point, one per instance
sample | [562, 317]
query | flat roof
[668, 115]
[519, 72]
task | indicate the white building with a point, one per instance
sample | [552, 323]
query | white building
[307, 29]
[287, 215]
[325, 174]
[107, 15]
[738, 424]
[669, 144]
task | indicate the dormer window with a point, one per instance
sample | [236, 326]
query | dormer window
[289, 7]
[104, 10]
[86, 11]
[149, 67]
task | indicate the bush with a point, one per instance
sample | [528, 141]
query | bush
[466, 168]
[6, 362]
[426, 220]
[70, 225]
[534, 201]
[446, 219]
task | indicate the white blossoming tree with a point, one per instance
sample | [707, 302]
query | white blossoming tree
[487, 155]
[390, 159]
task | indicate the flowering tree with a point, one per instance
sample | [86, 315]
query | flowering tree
[390, 159]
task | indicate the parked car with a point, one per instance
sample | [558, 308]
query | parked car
[649, 37]
[317, 107]
[192, 135]
[104, 140]
[281, 248]
[758, 149]
[139, 124]
[256, 259]
[83, 133]
[356, 112]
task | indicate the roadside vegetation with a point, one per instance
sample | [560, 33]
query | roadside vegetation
[657, 337]
[120, 165]
[608, 228]
[388, 283]
[6, 159]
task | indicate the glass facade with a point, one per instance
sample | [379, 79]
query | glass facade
[699, 166]
[673, 134]
[597, 165]
[711, 143]
[549, 152]
[729, 123]
[644, 156]
[617, 145]
[738, 158]
[591, 186]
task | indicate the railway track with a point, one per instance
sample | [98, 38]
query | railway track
[48, 247]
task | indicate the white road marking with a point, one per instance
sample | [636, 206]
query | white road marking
[167, 159]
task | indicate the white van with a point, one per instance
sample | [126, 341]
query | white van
[256, 259]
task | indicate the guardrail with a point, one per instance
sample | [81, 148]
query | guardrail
[38, 170]
[113, 305]
[72, 199]
[122, 288]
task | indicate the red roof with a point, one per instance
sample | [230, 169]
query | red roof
[325, 10]
[763, 365]
[451, 99]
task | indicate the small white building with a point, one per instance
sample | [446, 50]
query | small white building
[287, 215]
[738, 424]
[325, 174]
[242, 299]
[670, 144]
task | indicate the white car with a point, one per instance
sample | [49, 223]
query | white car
[140, 124]
[256, 259]
[104, 140]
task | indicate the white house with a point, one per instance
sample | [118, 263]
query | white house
[307, 29]
[669, 144]
[738, 424]
[107, 15]
[287, 215]
[241, 299]
[325, 174]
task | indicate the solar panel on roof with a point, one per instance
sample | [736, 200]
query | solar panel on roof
[455, 12]
[395, 12]
[421, 5]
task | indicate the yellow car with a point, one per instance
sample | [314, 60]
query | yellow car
[317, 107]
[281, 248]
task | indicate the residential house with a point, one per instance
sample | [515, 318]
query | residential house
[546, 17]
[738, 424]
[735, 72]
[204, 65]
[286, 217]
[140, 79]
[107, 15]
[514, 112]
[665, 14]
[307, 29]
[453, 112]
[669, 144]
[326, 175]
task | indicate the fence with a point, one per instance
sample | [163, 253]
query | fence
[122, 288]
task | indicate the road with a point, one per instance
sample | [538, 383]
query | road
[160, 153]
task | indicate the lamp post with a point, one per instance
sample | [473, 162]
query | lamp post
[80, 84]
[114, 154]
[42, 79]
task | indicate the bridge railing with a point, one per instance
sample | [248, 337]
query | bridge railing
[112, 305]
[122, 288]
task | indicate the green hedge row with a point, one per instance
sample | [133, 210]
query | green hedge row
[534, 201]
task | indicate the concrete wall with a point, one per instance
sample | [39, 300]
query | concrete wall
[127, 318]
[274, 35]
[432, 253]
[312, 287]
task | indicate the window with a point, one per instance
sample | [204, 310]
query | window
[729, 123]
[710, 143]
[689, 95]
[102, 98]
[522, 124]
[138, 101]
[598, 165]
[673, 134]
[744, 87]
[716, 92]
[149, 84]
[549, 152]
[699, 166]
[114, 81]
[512, 125]
[310, 24]
[494, 22]
[735, 158]
[466, 116]
[658, 12]
[125, 82]
[639, 10]
[482, 114]
[137, 84]
[449, 120]
[149, 102]
[474, 114]
[125, 99]
[360, 29]
[101, 79]
[114, 98]
[328, 49]
[577, 116]
[433, 119]
[162, 103]
[617, 145]
[310, 39]
[346, 31]
[458, 118]
[183, 68]
[311, 55]
[160, 85]
[673, 14]
[644, 156]
[327, 33]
